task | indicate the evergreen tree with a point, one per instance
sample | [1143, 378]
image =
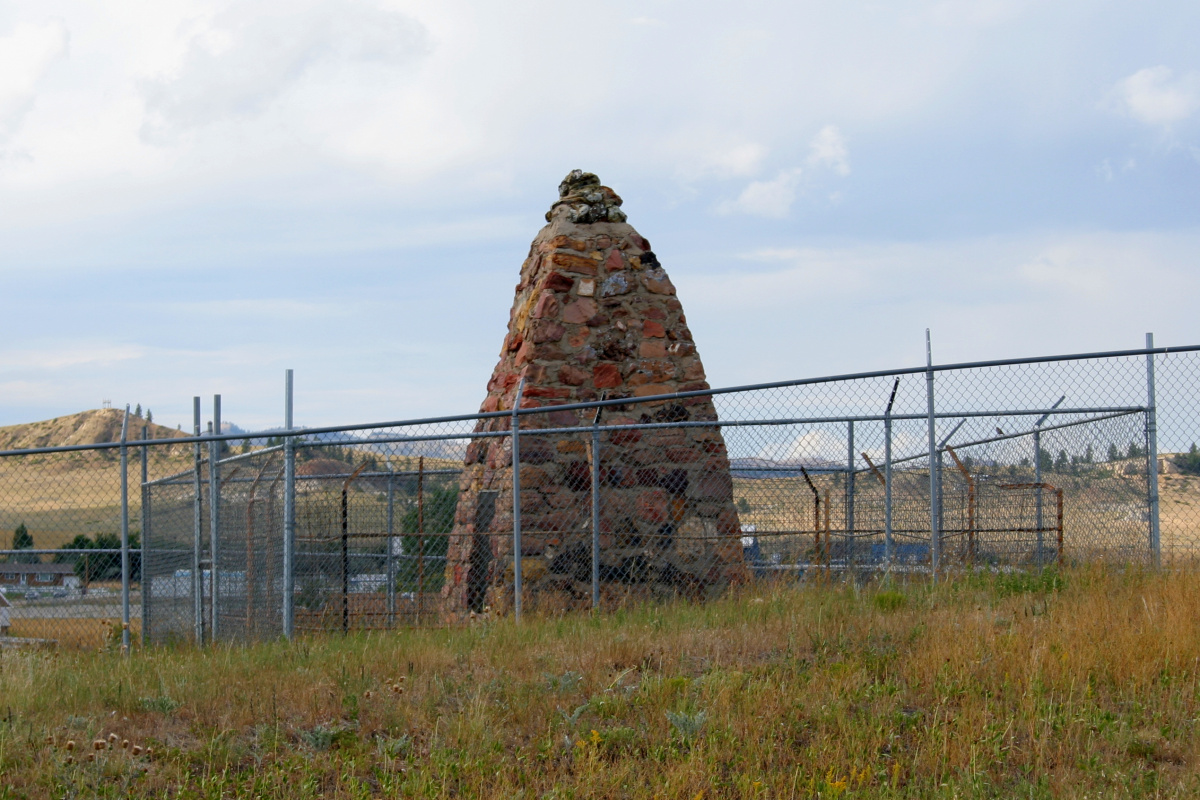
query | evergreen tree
[1044, 459]
[23, 540]
[149, 416]
[1089, 457]
[1190, 462]
[1135, 451]
[1113, 453]
[1061, 463]
[137, 412]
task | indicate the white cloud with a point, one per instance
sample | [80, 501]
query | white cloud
[828, 149]
[812, 445]
[71, 354]
[252, 54]
[26, 55]
[1155, 96]
[772, 199]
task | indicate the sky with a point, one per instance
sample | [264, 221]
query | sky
[196, 196]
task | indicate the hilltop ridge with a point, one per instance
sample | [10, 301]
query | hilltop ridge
[95, 426]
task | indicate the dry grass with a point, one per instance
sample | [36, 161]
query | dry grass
[1081, 685]
[72, 632]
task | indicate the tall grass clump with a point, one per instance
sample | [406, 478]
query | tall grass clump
[1074, 684]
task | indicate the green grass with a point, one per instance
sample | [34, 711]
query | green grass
[1082, 684]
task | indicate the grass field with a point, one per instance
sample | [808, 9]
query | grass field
[1085, 684]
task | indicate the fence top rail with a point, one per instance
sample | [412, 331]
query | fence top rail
[595, 404]
[64, 551]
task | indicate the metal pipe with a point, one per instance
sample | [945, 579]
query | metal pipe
[420, 536]
[596, 509]
[197, 535]
[391, 545]
[934, 534]
[1152, 454]
[289, 511]
[887, 477]
[850, 376]
[145, 583]
[346, 547]
[850, 476]
[214, 523]
[483, 435]
[125, 533]
[516, 499]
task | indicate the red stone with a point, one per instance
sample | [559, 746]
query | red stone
[680, 455]
[715, 486]
[681, 349]
[580, 311]
[615, 261]
[492, 403]
[606, 376]
[558, 496]
[578, 337]
[566, 241]
[693, 372]
[654, 312]
[476, 450]
[554, 392]
[545, 330]
[653, 349]
[647, 477]
[547, 306]
[657, 282]
[626, 436]
[563, 419]
[513, 342]
[572, 376]
[557, 282]
[652, 389]
[533, 373]
[652, 506]
[574, 263]
[698, 386]
[653, 330]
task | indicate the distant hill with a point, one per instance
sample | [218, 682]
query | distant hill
[87, 427]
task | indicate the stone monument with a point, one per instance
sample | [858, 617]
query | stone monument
[595, 317]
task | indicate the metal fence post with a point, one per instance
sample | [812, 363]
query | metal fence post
[596, 510]
[515, 433]
[935, 539]
[125, 534]
[420, 537]
[1152, 454]
[197, 536]
[214, 520]
[145, 583]
[851, 474]
[887, 478]
[289, 511]
[391, 545]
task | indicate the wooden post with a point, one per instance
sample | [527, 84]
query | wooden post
[970, 505]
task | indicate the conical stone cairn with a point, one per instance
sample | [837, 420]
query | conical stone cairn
[595, 317]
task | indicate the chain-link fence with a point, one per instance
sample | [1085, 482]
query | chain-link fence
[625, 499]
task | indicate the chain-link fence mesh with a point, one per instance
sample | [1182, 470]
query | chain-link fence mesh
[625, 500]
